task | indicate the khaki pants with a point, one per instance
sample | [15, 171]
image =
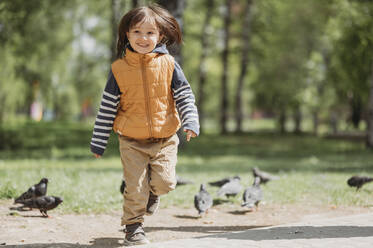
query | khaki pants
[148, 165]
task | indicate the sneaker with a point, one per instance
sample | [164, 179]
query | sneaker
[153, 204]
[135, 235]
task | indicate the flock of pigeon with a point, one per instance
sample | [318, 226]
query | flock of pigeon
[35, 197]
[252, 195]
[231, 186]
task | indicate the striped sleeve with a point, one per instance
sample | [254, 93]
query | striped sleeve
[105, 116]
[185, 100]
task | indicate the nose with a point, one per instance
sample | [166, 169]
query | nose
[143, 37]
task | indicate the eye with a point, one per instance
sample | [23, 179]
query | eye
[135, 31]
[150, 32]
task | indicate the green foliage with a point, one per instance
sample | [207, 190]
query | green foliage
[309, 55]
[7, 191]
[11, 87]
[287, 35]
[52, 140]
[353, 48]
[43, 40]
[36, 35]
[351, 58]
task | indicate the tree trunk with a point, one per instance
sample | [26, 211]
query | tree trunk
[316, 121]
[2, 109]
[135, 3]
[244, 64]
[116, 7]
[202, 65]
[356, 109]
[282, 122]
[370, 114]
[334, 122]
[297, 120]
[224, 80]
[176, 8]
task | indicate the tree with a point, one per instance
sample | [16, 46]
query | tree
[245, 40]
[135, 3]
[176, 8]
[202, 70]
[351, 61]
[370, 112]
[286, 35]
[225, 71]
[37, 35]
[93, 52]
[116, 11]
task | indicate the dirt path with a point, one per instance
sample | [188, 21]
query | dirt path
[28, 229]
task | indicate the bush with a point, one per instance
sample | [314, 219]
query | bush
[10, 139]
[7, 191]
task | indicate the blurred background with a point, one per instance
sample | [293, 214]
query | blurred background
[283, 85]
[300, 66]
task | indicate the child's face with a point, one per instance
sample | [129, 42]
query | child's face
[143, 37]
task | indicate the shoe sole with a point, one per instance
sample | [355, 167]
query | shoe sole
[140, 242]
[149, 213]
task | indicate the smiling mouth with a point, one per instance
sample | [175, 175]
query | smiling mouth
[143, 46]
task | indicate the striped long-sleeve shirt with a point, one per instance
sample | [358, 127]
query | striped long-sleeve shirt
[182, 94]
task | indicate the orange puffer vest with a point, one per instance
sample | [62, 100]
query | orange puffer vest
[147, 108]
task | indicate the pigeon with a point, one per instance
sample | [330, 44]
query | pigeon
[223, 181]
[181, 181]
[252, 195]
[43, 203]
[264, 176]
[39, 189]
[202, 200]
[358, 181]
[122, 187]
[231, 188]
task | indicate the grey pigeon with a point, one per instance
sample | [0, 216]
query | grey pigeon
[182, 181]
[39, 189]
[43, 203]
[358, 181]
[122, 186]
[264, 176]
[232, 188]
[223, 181]
[252, 195]
[202, 200]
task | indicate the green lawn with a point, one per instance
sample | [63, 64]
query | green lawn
[312, 170]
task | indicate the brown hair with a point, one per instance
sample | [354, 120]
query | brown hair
[166, 23]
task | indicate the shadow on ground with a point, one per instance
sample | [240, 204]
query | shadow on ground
[202, 229]
[275, 233]
[298, 232]
[96, 243]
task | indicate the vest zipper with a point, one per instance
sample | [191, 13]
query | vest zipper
[146, 94]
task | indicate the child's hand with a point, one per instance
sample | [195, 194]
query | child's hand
[189, 134]
[96, 155]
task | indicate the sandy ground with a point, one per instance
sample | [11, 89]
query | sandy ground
[29, 229]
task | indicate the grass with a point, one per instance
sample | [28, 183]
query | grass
[312, 170]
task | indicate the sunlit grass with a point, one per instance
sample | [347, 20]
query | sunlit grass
[312, 170]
